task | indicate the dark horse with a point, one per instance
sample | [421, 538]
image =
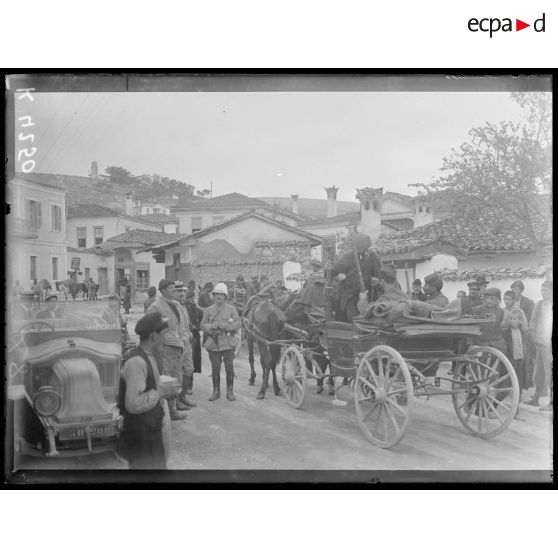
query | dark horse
[264, 322]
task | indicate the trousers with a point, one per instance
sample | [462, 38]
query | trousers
[543, 369]
[227, 357]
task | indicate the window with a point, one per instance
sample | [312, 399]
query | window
[156, 211]
[33, 216]
[218, 219]
[98, 234]
[33, 268]
[142, 276]
[81, 237]
[176, 260]
[196, 224]
[428, 210]
[54, 262]
[87, 272]
[55, 218]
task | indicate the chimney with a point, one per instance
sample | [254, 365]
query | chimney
[370, 211]
[129, 204]
[331, 201]
[294, 203]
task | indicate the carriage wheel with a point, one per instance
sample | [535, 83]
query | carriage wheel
[383, 396]
[293, 376]
[486, 408]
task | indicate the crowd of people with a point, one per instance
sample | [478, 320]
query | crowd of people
[179, 322]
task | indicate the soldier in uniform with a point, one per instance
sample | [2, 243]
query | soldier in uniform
[221, 322]
[346, 274]
[433, 284]
[140, 397]
[492, 334]
[482, 283]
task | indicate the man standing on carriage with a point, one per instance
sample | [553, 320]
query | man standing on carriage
[347, 273]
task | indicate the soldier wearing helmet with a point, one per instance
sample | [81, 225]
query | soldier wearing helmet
[221, 323]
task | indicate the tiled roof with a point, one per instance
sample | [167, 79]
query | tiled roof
[142, 237]
[493, 273]
[234, 199]
[398, 224]
[94, 210]
[485, 230]
[158, 218]
[348, 218]
[315, 240]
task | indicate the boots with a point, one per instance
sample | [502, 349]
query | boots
[173, 412]
[183, 403]
[188, 384]
[230, 382]
[216, 377]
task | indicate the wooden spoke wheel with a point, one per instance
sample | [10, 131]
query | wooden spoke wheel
[488, 404]
[293, 376]
[383, 393]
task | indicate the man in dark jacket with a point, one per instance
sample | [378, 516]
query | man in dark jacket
[473, 299]
[345, 273]
[433, 284]
[140, 397]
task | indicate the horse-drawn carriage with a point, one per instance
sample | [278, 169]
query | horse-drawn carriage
[380, 361]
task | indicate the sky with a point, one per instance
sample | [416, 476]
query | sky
[261, 144]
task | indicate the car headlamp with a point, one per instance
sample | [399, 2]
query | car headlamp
[47, 402]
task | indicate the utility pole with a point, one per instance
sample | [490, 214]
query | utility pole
[211, 189]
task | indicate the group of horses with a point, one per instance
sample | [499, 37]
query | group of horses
[266, 325]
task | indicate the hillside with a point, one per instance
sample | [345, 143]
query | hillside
[83, 190]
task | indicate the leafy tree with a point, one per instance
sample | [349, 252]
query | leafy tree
[504, 166]
[204, 193]
[119, 175]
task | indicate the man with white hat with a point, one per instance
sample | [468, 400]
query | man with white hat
[221, 322]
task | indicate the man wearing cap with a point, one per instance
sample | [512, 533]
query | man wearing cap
[179, 294]
[473, 299]
[140, 398]
[482, 283]
[433, 290]
[416, 291]
[540, 329]
[491, 332]
[221, 322]
[345, 273]
[240, 293]
[50, 312]
[390, 292]
[171, 351]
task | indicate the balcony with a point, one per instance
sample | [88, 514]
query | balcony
[22, 228]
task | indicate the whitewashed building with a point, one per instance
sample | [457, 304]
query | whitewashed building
[36, 232]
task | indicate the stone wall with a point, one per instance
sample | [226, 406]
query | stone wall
[270, 264]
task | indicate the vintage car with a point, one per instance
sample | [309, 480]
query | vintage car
[63, 378]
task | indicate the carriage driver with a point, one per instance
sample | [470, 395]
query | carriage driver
[346, 274]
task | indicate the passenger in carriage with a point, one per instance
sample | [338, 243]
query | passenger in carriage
[51, 311]
[416, 291]
[433, 284]
[389, 286]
